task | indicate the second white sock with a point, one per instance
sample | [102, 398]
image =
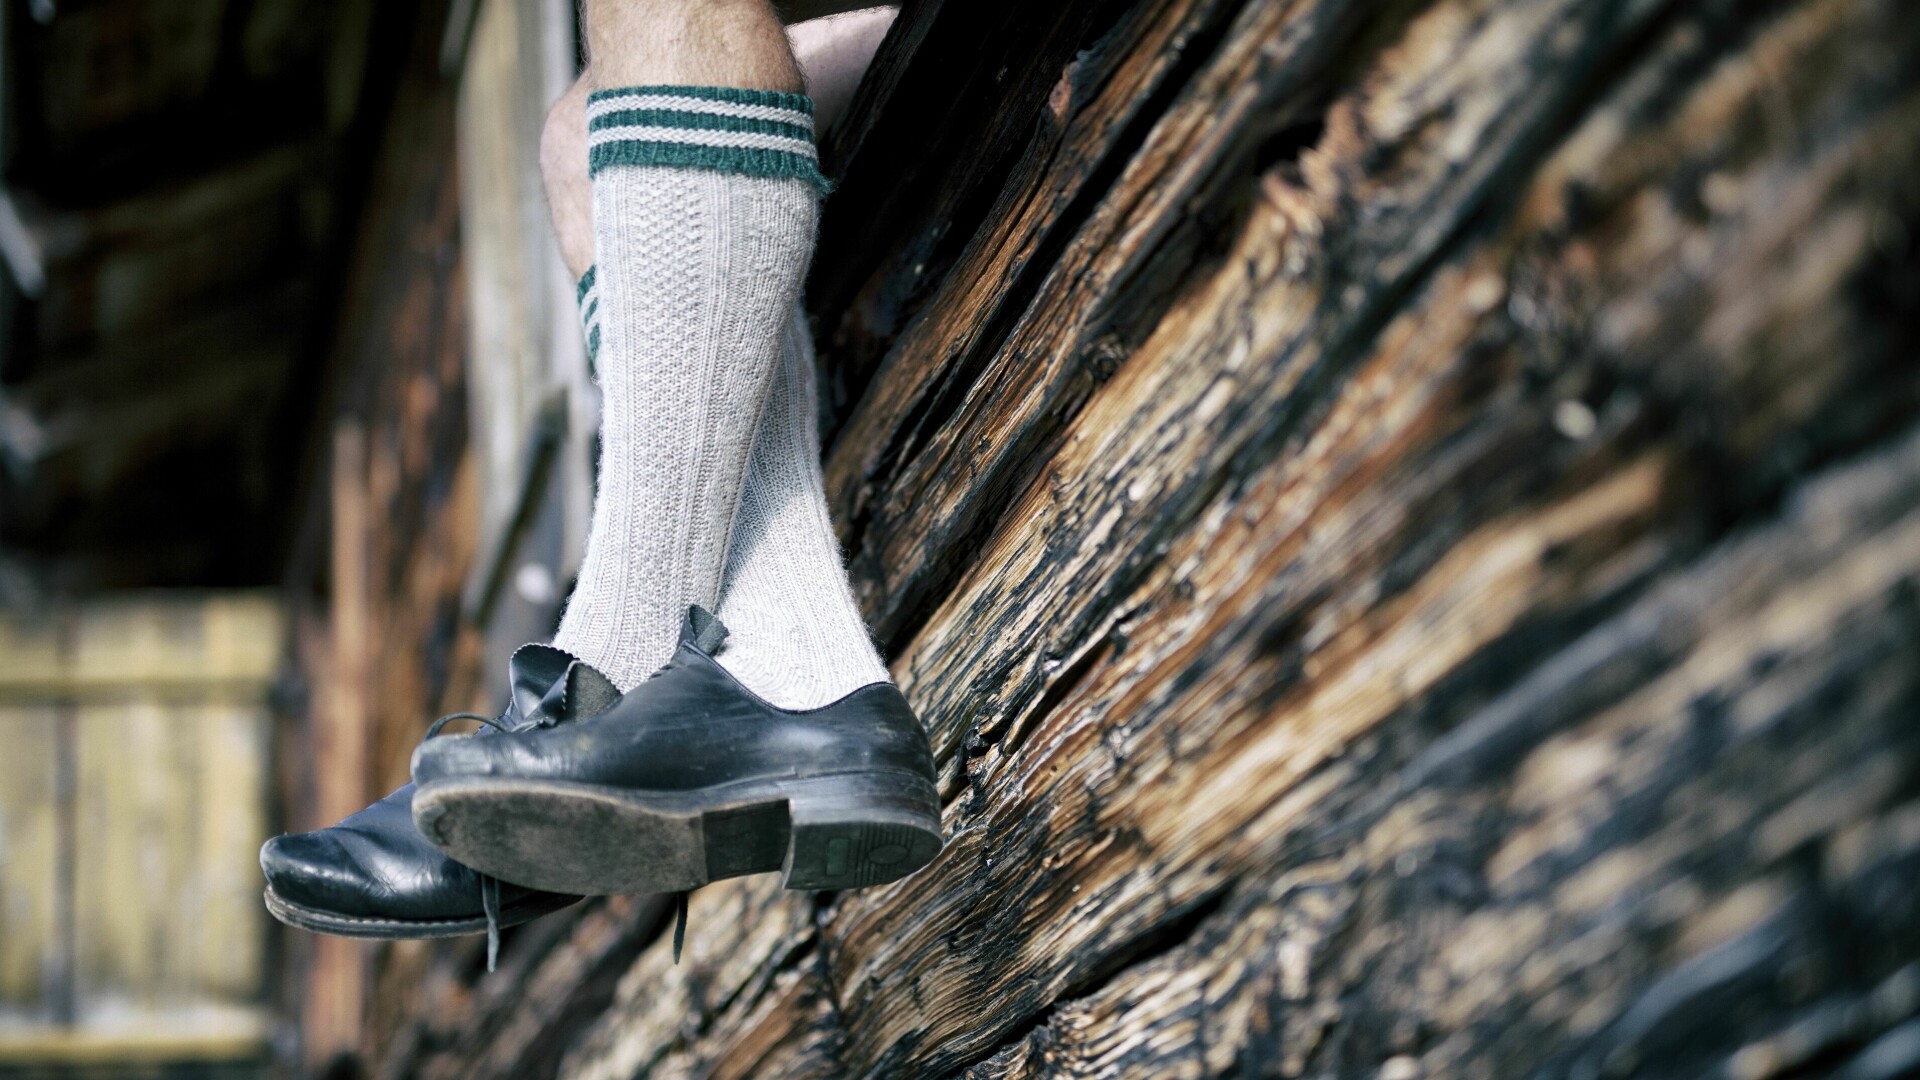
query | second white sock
[796, 636]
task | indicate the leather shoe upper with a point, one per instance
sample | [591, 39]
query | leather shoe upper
[693, 725]
[376, 865]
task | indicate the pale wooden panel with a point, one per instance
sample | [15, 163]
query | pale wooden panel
[170, 808]
[138, 1046]
[29, 650]
[496, 177]
[29, 836]
[523, 329]
[135, 811]
[194, 644]
[232, 769]
[165, 955]
[153, 640]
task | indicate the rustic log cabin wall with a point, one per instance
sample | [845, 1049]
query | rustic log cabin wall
[1403, 520]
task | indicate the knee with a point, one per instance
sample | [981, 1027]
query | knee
[563, 171]
[563, 139]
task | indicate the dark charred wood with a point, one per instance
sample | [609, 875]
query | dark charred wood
[1403, 521]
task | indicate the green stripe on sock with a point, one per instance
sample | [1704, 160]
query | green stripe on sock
[731, 94]
[696, 121]
[593, 353]
[586, 284]
[745, 161]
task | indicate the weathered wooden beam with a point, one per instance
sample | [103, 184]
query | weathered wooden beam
[922, 175]
[1461, 492]
[1401, 520]
[1620, 870]
[1087, 131]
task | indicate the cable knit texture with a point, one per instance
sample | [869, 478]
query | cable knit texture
[796, 636]
[701, 259]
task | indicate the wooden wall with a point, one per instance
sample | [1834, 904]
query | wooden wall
[457, 467]
[387, 535]
[134, 764]
[1403, 520]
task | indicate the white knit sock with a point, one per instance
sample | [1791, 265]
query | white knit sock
[795, 635]
[705, 201]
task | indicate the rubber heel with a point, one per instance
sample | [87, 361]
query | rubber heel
[852, 831]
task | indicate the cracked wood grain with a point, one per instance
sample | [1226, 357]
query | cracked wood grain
[1402, 525]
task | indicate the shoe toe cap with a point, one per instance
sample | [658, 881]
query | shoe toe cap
[312, 870]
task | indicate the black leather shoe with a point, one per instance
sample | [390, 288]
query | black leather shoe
[691, 778]
[373, 875]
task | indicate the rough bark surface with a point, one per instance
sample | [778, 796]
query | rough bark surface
[1403, 520]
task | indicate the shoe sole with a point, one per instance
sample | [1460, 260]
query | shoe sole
[830, 832]
[362, 926]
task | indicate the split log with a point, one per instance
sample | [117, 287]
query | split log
[1403, 521]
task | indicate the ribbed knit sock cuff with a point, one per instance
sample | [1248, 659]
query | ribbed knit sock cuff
[719, 128]
[588, 296]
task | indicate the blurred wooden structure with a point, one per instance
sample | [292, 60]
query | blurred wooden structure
[180, 181]
[134, 765]
[1403, 520]
[458, 475]
[533, 404]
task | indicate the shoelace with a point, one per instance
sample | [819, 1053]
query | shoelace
[489, 885]
[436, 727]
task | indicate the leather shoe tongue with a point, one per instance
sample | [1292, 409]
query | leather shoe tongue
[580, 693]
[534, 672]
[702, 630]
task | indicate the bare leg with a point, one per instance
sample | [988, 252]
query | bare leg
[563, 167]
[688, 43]
[833, 54]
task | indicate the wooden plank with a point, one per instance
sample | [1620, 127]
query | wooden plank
[524, 335]
[336, 976]
[231, 760]
[922, 175]
[195, 1040]
[1401, 520]
[545, 999]
[749, 931]
[1507, 860]
[134, 840]
[145, 644]
[1391, 619]
[1088, 128]
[143, 640]
[170, 811]
[30, 949]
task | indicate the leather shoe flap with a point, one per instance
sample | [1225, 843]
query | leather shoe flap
[580, 693]
[535, 672]
[702, 630]
[589, 693]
